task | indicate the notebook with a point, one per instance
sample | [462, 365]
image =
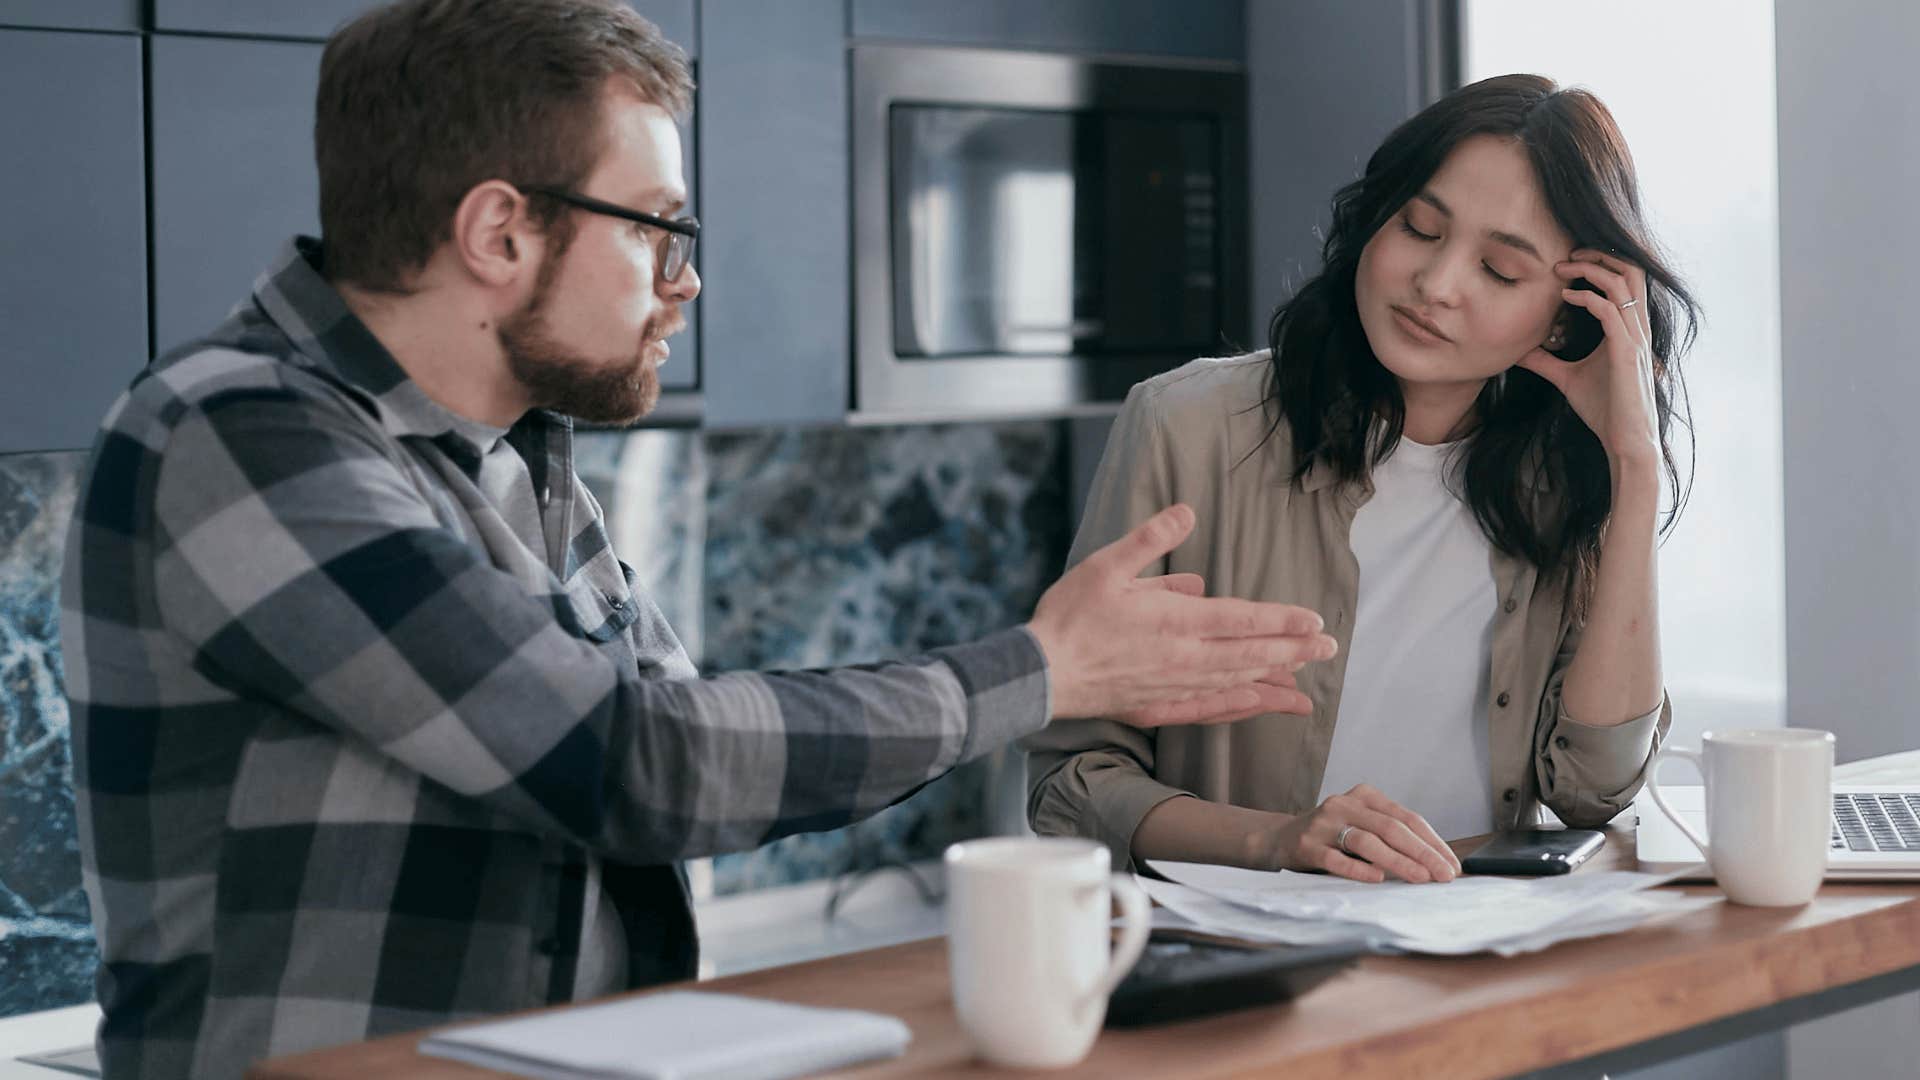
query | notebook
[679, 1035]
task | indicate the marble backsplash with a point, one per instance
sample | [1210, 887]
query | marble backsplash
[776, 549]
[46, 944]
[831, 546]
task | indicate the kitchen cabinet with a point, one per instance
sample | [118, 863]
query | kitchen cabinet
[774, 241]
[1365, 68]
[1202, 29]
[73, 285]
[315, 19]
[233, 173]
[72, 14]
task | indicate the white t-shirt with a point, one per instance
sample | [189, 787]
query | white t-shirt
[1413, 712]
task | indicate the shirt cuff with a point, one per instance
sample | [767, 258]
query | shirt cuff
[1606, 764]
[1009, 693]
[1119, 805]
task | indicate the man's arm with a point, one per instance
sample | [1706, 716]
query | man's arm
[299, 565]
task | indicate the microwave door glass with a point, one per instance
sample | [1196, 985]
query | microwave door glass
[1048, 233]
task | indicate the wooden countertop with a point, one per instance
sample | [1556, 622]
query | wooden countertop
[1465, 1017]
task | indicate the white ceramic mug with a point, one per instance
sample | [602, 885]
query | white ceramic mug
[1028, 929]
[1769, 811]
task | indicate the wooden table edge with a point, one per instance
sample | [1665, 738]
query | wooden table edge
[1508, 1033]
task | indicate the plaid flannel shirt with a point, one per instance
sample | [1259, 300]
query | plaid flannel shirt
[345, 747]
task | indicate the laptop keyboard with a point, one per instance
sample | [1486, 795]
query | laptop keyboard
[1876, 822]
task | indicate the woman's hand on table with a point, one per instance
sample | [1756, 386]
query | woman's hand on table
[1381, 837]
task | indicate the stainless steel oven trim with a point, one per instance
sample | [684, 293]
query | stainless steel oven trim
[1007, 385]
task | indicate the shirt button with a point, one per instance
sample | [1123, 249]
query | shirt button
[1503, 699]
[1510, 605]
[1560, 741]
[1510, 794]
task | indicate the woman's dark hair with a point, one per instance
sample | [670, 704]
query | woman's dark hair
[1332, 390]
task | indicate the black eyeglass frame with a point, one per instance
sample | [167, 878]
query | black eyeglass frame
[677, 228]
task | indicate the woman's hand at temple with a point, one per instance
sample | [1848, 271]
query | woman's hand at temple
[1614, 390]
[1380, 837]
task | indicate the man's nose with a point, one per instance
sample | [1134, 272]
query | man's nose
[683, 288]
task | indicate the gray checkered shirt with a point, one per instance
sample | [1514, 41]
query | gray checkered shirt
[349, 749]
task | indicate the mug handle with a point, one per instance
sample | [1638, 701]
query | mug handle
[1136, 918]
[1653, 788]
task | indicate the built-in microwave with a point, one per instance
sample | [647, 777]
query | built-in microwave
[1034, 233]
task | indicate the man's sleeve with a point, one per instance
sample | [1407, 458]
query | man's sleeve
[300, 566]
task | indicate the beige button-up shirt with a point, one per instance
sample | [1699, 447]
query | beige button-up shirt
[1195, 435]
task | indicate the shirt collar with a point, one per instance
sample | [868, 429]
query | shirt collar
[332, 340]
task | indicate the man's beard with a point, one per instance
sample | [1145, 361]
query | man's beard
[555, 378]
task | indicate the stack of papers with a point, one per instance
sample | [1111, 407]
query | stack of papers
[680, 1035]
[1507, 916]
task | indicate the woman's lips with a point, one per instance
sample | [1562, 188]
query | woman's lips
[1415, 328]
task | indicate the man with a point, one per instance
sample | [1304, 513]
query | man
[372, 730]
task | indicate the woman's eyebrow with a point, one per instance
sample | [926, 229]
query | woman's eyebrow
[1512, 240]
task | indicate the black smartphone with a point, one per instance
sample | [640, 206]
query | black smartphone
[1534, 851]
[1583, 332]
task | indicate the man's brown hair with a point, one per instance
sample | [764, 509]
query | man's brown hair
[422, 100]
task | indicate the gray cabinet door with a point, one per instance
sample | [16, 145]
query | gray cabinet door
[72, 14]
[1213, 29]
[1329, 80]
[73, 284]
[276, 18]
[318, 18]
[233, 172]
[774, 243]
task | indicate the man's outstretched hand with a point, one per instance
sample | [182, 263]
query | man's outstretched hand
[1154, 651]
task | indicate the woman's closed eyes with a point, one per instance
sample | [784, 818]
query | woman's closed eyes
[1406, 226]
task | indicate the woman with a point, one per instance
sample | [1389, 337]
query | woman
[1474, 515]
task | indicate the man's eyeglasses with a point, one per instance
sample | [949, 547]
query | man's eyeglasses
[681, 232]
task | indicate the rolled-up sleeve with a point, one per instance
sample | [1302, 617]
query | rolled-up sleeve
[1588, 773]
[1093, 778]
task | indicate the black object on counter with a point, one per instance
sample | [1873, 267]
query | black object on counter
[1534, 851]
[1180, 978]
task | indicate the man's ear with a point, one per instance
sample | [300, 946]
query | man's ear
[492, 236]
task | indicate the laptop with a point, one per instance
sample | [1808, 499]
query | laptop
[1875, 832]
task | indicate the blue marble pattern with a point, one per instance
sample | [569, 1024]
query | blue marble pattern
[840, 545]
[47, 954]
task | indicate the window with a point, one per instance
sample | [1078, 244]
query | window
[1692, 86]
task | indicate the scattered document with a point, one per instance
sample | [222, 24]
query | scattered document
[1507, 916]
[680, 1035]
